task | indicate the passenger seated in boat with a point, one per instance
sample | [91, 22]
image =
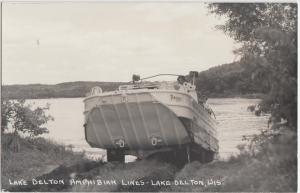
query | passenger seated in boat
[181, 79]
[179, 84]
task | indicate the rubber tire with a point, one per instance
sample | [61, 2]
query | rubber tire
[182, 156]
[115, 155]
[209, 156]
[176, 157]
[203, 156]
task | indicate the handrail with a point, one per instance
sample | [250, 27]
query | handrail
[140, 79]
[160, 75]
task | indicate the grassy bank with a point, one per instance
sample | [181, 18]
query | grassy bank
[25, 158]
[272, 168]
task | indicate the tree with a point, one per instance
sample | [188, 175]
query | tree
[268, 33]
[24, 118]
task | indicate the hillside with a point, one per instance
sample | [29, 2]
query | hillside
[229, 80]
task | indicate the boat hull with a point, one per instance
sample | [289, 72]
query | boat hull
[147, 120]
[144, 125]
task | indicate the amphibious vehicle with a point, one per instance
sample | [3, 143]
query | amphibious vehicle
[146, 118]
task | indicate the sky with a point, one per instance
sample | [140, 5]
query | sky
[50, 43]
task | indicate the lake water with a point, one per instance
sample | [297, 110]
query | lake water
[232, 116]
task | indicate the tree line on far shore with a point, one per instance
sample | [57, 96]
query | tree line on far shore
[62, 90]
[227, 80]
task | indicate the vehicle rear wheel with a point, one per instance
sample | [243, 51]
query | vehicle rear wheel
[209, 156]
[182, 156]
[115, 155]
[177, 156]
[202, 155]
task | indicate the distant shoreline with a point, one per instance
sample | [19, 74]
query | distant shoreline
[62, 90]
[246, 96]
[80, 88]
